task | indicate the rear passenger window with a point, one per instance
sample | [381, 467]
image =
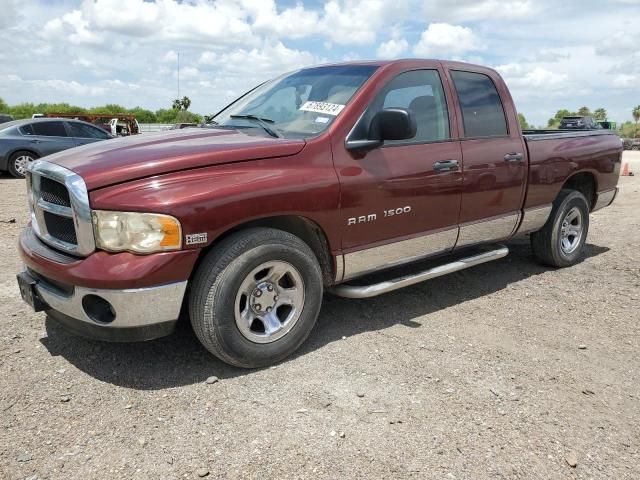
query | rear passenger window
[482, 112]
[49, 129]
[26, 130]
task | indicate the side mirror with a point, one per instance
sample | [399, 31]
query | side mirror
[393, 124]
[387, 124]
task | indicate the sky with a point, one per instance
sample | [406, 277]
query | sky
[90, 52]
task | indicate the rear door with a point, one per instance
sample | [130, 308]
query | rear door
[401, 201]
[50, 137]
[494, 157]
[83, 133]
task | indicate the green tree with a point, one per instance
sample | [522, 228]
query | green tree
[183, 104]
[523, 122]
[188, 117]
[3, 106]
[109, 109]
[555, 121]
[143, 115]
[584, 112]
[636, 116]
[165, 115]
[600, 114]
[627, 129]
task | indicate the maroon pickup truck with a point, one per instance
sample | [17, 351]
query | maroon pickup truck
[309, 182]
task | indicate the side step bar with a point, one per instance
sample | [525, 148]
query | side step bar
[366, 291]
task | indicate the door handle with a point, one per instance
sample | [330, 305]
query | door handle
[34, 141]
[446, 165]
[513, 157]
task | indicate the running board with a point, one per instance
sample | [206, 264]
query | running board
[367, 291]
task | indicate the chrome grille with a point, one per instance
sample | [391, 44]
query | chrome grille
[60, 227]
[54, 192]
[60, 213]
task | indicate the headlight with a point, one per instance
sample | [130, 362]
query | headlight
[136, 232]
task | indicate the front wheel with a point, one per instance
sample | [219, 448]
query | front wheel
[256, 297]
[18, 163]
[561, 241]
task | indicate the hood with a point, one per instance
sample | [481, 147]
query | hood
[123, 159]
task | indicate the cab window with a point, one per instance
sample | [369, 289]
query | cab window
[482, 112]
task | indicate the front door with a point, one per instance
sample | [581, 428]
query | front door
[495, 163]
[401, 201]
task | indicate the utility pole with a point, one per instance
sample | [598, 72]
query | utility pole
[178, 75]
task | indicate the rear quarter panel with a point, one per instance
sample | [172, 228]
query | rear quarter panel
[553, 161]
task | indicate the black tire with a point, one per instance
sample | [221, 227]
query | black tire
[216, 286]
[14, 169]
[547, 242]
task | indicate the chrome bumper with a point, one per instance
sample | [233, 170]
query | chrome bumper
[131, 308]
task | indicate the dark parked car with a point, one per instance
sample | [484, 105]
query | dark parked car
[634, 144]
[578, 122]
[23, 141]
[4, 118]
[180, 126]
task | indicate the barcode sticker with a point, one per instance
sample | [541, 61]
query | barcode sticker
[322, 107]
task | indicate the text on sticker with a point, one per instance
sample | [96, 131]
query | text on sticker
[322, 107]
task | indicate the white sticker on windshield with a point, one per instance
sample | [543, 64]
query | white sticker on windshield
[322, 119]
[322, 107]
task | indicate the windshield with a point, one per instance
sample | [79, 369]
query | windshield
[301, 104]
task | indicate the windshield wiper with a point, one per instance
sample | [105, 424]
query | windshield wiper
[263, 122]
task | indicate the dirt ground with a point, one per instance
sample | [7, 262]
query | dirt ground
[507, 370]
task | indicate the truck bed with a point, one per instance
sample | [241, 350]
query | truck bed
[555, 155]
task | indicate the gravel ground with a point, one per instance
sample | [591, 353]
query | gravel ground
[507, 370]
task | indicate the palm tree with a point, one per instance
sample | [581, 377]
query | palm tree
[600, 114]
[636, 116]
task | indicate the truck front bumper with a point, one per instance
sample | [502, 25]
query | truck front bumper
[112, 314]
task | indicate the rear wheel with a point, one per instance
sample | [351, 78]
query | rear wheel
[18, 163]
[561, 241]
[256, 297]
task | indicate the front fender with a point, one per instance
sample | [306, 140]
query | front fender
[213, 200]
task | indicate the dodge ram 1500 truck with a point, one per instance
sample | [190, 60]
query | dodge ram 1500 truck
[311, 181]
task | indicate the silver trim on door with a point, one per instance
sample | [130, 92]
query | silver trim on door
[397, 253]
[493, 229]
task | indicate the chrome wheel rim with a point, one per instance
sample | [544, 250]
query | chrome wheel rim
[269, 301]
[571, 230]
[21, 163]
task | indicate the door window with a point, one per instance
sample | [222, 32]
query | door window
[482, 111]
[26, 129]
[86, 131]
[421, 92]
[49, 129]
